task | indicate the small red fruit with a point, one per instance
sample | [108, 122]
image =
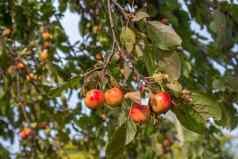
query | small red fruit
[43, 55]
[20, 65]
[31, 77]
[46, 45]
[46, 35]
[94, 98]
[25, 133]
[98, 56]
[139, 113]
[113, 96]
[160, 102]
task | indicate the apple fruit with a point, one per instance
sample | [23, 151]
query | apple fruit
[94, 98]
[31, 77]
[43, 55]
[46, 35]
[46, 45]
[160, 102]
[20, 65]
[25, 133]
[98, 56]
[139, 113]
[113, 96]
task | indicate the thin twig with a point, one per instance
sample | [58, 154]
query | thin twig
[122, 53]
[91, 71]
[112, 24]
[115, 41]
[22, 107]
[72, 47]
[110, 56]
[121, 9]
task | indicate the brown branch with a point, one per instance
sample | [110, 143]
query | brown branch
[22, 107]
[115, 41]
[112, 26]
[91, 71]
[124, 55]
[121, 9]
[109, 58]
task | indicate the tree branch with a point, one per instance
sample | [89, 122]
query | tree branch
[112, 24]
[121, 9]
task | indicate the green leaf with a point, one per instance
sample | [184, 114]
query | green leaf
[131, 130]
[4, 153]
[231, 83]
[175, 86]
[222, 28]
[178, 151]
[233, 10]
[121, 137]
[186, 68]
[116, 145]
[128, 38]
[4, 57]
[170, 63]
[163, 36]
[53, 69]
[72, 83]
[140, 15]
[189, 118]
[206, 106]
[5, 102]
[228, 82]
[138, 51]
[218, 23]
[78, 155]
[122, 118]
[219, 84]
[229, 116]
[84, 122]
[150, 59]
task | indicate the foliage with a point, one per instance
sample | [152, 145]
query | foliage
[131, 43]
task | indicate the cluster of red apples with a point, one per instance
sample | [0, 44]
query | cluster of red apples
[160, 102]
[43, 57]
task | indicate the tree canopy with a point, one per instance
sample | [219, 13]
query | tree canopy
[187, 48]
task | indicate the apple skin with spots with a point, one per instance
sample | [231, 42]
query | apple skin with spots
[139, 113]
[94, 99]
[114, 96]
[160, 102]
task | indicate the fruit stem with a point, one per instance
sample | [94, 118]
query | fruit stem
[161, 87]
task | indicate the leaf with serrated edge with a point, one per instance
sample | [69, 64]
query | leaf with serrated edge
[140, 15]
[163, 36]
[206, 106]
[189, 118]
[117, 143]
[130, 131]
[122, 118]
[72, 83]
[128, 38]
[170, 63]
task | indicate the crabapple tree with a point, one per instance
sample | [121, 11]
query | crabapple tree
[145, 80]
